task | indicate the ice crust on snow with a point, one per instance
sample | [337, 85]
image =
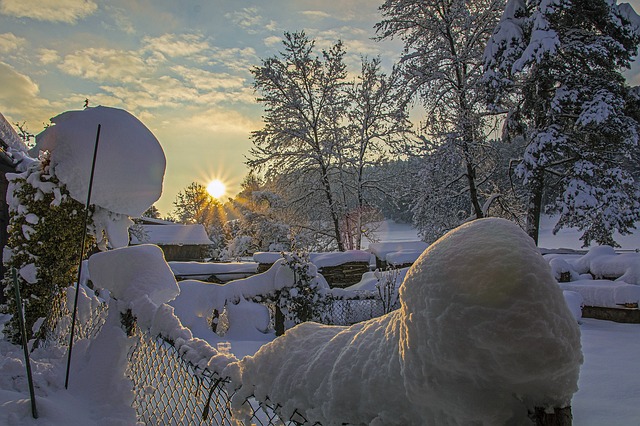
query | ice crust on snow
[130, 162]
[458, 351]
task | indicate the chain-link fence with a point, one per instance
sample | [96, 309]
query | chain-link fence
[168, 390]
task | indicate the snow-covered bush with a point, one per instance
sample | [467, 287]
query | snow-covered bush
[458, 351]
[45, 231]
[387, 288]
[306, 300]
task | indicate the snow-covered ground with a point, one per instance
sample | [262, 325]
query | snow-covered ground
[608, 384]
[608, 394]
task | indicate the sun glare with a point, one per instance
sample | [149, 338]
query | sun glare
[216, 188]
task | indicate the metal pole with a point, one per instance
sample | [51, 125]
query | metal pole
[84, 233]
[23, 331]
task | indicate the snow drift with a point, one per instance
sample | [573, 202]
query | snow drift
[483, 335]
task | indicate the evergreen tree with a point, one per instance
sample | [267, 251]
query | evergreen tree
[554, 69]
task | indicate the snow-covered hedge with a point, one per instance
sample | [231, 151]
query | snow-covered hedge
[601, 276]
[483, 336]
[45, 231]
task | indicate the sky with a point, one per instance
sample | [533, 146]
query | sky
[181, 67]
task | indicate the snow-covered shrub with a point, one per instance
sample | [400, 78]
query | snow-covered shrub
[387, 288]
[458, 351]
[307, 299]
[45, 232]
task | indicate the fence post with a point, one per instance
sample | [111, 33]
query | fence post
[559, 417]
[25, 344]
[279, 321]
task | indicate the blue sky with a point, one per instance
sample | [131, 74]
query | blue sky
[182, 67]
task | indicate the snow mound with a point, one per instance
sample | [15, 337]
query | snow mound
[130, 162]
[459, 351]
[131, 273]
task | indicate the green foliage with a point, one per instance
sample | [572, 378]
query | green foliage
[45, 232]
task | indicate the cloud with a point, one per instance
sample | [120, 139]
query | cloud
[176, 45]
[67, 11]
[48, 56]
[248, 18]
[272, 41]
[207, 80]
[315, 14]
[10, 42]
[100, 64]
[19, 96]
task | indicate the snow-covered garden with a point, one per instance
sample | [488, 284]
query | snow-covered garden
[477, 324]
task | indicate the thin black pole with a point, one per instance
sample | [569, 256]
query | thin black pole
[23, 331]
[84, 233]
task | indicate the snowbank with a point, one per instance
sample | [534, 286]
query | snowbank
[604, 293]
[458, 351]
[130, 162]
[200, 270]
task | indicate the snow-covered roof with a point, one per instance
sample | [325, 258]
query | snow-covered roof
[9, 136]
[381, 250]
[175, 234]
[153, 221]
[321, 260]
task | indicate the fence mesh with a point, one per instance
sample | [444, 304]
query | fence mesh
[171, 391]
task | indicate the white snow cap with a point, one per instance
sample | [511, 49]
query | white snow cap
[483, 336]
[130, 162]
[130, 273]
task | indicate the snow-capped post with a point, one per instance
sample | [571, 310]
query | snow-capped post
[23, 331]
[84, 234]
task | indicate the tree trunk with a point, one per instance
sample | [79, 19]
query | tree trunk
[534, 208]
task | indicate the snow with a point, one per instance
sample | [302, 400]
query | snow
[130, 162]
[457, 351]
[98, 395]
[321, 260]
[134, 272]
[383, 249]
[604, 293]
[225, 271]
[174, 234]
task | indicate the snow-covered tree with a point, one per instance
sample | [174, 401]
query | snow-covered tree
[442, 65]
[324, 136]
[304, 105]
[195, 205]
[554, 68]
[259, 227]
[376, 120]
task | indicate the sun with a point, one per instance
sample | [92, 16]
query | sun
[216, 188]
